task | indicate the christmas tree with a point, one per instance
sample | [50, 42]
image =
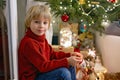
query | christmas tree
[91, 12]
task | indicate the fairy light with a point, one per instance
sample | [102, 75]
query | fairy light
[88, 1]
[81, 20]
[93, 5]
[79, 8]
[53, 21]
[113, 7]
[65, 8]
[70, 0]
[105, 16]
[89, 5]
[89, 24]
[114, 4]
[60, 2]
[61, 7]
[97, 6]
[70, 5]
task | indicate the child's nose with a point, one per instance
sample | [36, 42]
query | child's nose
[41, 25]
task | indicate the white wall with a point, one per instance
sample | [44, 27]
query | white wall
[11, 16]
[109, 48]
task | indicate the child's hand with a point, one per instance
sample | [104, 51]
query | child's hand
[73, 60]
[77, 54]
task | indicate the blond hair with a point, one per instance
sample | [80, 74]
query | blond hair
[35, 12]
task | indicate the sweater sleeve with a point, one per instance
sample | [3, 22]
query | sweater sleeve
[35, 57]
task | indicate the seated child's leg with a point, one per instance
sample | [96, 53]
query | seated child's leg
[73, 72]
[57, 74]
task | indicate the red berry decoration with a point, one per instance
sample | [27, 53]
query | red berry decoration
[65, 17]
[113, 1]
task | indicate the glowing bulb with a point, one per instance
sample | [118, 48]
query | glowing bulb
[81, 20]
[60, 2]
[89, 5]
[61, 7]
[65, 8]
[98, 5]
[88, 1]
[93, 5]
[53, 21]
[89, 24]
[79, 8]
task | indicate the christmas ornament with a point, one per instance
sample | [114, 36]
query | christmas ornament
[65, 17]
[112, 1]
[82, 1]
[99, 68]
[83, 27]
[95, 2]
[105, 24]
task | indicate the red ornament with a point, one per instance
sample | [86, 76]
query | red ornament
[113, 1]
[65, 17]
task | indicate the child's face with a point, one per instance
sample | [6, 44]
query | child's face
[39, 26]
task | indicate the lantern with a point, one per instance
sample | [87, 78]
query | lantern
[65, 37]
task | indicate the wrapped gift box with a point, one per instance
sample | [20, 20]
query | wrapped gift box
[63, 49]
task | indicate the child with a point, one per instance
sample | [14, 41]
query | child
[36, 58]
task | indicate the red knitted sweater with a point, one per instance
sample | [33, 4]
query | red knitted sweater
[36, 55]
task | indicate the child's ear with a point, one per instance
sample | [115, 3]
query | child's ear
[28, 26]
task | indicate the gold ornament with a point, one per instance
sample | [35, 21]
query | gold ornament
[99, 68]
[100, 76]
[93, 2]
[82, 1]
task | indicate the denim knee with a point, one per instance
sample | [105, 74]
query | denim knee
[65, 73]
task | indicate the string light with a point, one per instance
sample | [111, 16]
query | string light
[60, 2]
[65, 8]
[61, 7]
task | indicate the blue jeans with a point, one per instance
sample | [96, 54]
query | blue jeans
[58, 74]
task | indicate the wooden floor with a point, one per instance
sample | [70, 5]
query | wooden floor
[107, 76]
[112, 76]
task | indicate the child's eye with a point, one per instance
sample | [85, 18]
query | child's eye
[37, 21]
[45, 22]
